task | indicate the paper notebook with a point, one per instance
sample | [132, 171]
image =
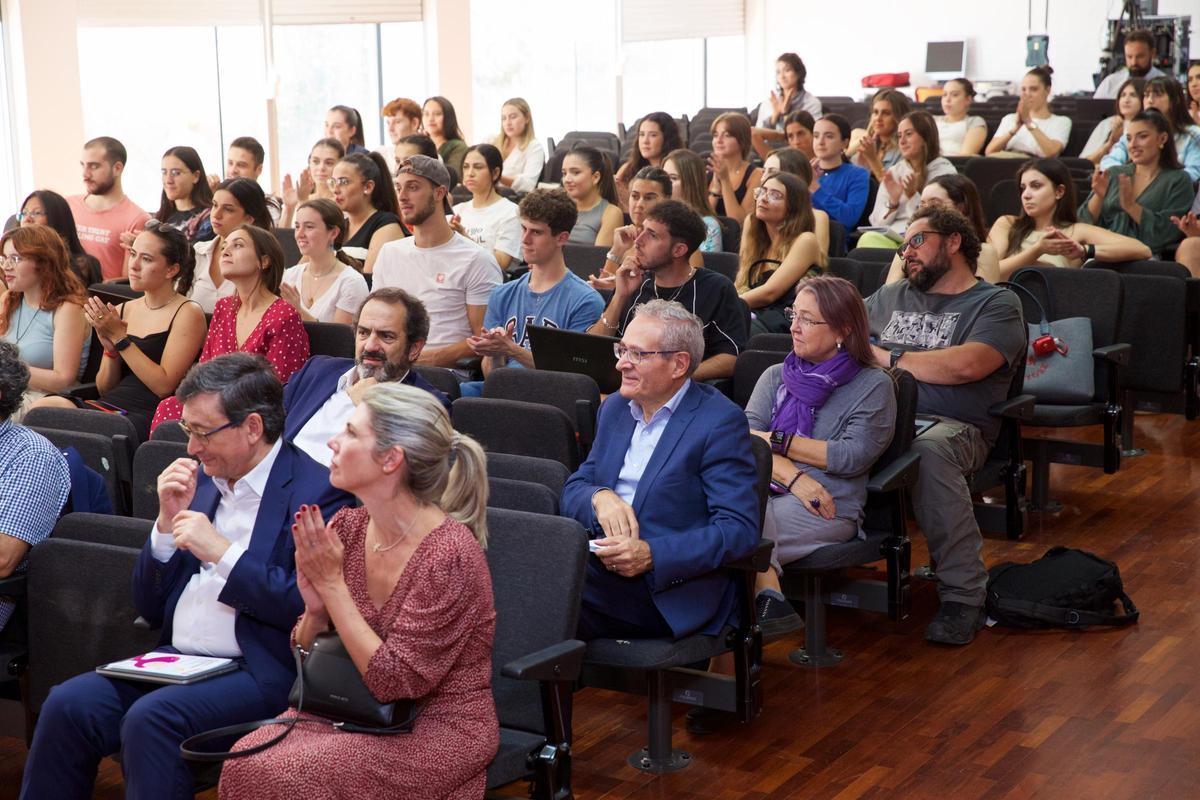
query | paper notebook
[173, 668]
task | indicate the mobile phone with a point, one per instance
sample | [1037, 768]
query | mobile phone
[107, 408]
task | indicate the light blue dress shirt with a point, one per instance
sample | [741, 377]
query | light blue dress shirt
[644, 440]
[1187, 147]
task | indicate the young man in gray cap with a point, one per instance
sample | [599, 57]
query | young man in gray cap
[451, 275]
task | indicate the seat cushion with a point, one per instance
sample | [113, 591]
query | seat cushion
[652, 654]
[1050, 416]
[510, 762]
[853, 553]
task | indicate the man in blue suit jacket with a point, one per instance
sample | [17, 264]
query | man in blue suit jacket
[218, 575]
[669, 488]
[390, 332]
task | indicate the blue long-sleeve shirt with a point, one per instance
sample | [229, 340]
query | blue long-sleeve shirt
[1187, 145]
[843, 194]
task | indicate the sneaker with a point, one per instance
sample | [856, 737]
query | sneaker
[776, 616]
[955, 623]
[703, 721]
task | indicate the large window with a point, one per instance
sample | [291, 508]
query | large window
[8, 174]
[558, 54]
[681, 76]
[141, 94]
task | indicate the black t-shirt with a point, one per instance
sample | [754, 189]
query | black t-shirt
[711, 297]
[374, 222]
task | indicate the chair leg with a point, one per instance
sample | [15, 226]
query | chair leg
[815, 653]
[1191, 388]
[1127, 447]
[898, 553]
[1112, 441]
[658, 757]
[1040, 499]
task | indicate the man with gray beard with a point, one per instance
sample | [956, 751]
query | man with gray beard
[389, 332]
[961, 338]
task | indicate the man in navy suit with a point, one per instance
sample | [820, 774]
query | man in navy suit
[389, 333]
[669, 488]
[217, 574]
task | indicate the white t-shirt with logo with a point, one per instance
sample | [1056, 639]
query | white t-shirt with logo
[496, 227]
[446, 279]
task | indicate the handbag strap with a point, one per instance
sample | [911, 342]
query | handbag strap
[1048, 306]
[1056, 615]
[1044, 323]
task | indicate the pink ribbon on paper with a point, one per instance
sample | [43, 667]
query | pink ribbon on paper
[142, 661]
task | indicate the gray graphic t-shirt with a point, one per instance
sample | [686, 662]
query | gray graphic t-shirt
[903, 318]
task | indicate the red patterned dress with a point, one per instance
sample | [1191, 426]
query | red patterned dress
[437, 630]
[279, 335]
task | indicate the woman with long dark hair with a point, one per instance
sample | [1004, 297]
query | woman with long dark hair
[345, 124]
[1138, 199]
[900, 190]
[151, 342]
[488, 219]
[236, 202]
[733, 176]
[314, 178]
[1048, 230]
[1111, 130]
[656, 135]
[1166, 96]
[960, 133]
[788, 96]
[779, 248]
[440, 122]
[685, 170]
[255, 319]
[366, 193]
[44, 207]
[876, 148]
[186, 195]
[588, 178]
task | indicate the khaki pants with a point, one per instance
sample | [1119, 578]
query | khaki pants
[951, 452]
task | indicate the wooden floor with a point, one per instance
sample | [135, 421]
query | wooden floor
[1101, 714]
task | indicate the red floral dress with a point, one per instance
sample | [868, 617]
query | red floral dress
[437, 630]
[279, 335]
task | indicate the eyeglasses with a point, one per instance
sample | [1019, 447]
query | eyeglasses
[636, 357]
[34, 214]
[204, 437]
[916, 240]
[12, 260]
[174, 173]
[336, 183]
[805, 321]
[773, 195]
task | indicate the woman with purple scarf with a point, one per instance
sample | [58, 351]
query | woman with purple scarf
[828, 413]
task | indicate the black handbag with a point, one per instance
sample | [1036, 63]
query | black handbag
[329, 685]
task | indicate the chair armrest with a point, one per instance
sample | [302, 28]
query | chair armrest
[900, 474]
[84, 391]
[558, 662]
[759, 559]
[1114, 354]
[471, 364]
[13, 586]
[1019, 407]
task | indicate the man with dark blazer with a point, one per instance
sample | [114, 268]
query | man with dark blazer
[668, 489]
[389, 333]
[218, 575]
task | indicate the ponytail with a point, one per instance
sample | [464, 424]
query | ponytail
[466, 494]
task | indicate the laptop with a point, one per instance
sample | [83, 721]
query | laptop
[570, 351]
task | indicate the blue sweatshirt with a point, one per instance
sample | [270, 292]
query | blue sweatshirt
[843, 194]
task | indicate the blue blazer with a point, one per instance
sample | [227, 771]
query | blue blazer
[316, 382]
[262, 585]
[695, 504]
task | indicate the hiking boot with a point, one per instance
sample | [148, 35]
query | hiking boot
[955, 623]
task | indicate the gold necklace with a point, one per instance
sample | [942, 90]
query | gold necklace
[378, 548]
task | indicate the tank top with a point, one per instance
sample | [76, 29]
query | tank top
[739, 192]
[130, 393]
[587, 224]
[32, 331]
[1046, 258]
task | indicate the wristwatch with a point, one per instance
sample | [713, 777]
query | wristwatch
[1033, 126]
[121, 345]
[778, 438]
[895, 357]
[611, 256]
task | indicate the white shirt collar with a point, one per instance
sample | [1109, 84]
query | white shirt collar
[351, 377]
[255, 479]
[670, 406]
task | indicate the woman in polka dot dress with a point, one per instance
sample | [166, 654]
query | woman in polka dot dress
[404, 582]
[254, 319]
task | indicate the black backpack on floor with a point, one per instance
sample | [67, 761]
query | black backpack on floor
[1065, 588]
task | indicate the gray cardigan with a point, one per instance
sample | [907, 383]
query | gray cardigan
[857, 421]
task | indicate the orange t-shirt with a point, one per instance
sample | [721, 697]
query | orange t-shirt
[100, 231]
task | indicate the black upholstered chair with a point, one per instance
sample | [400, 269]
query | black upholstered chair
[547, 472]
[330, 339]
[149, 462]
[519, 427]
[575, 395]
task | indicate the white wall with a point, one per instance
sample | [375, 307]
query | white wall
[869, 36]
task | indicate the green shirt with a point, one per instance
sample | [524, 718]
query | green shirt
[1169, 194]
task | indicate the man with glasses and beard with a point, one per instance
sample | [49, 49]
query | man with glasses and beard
[390, 331]
[105, 218]
[451, 275]
[961, 338]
